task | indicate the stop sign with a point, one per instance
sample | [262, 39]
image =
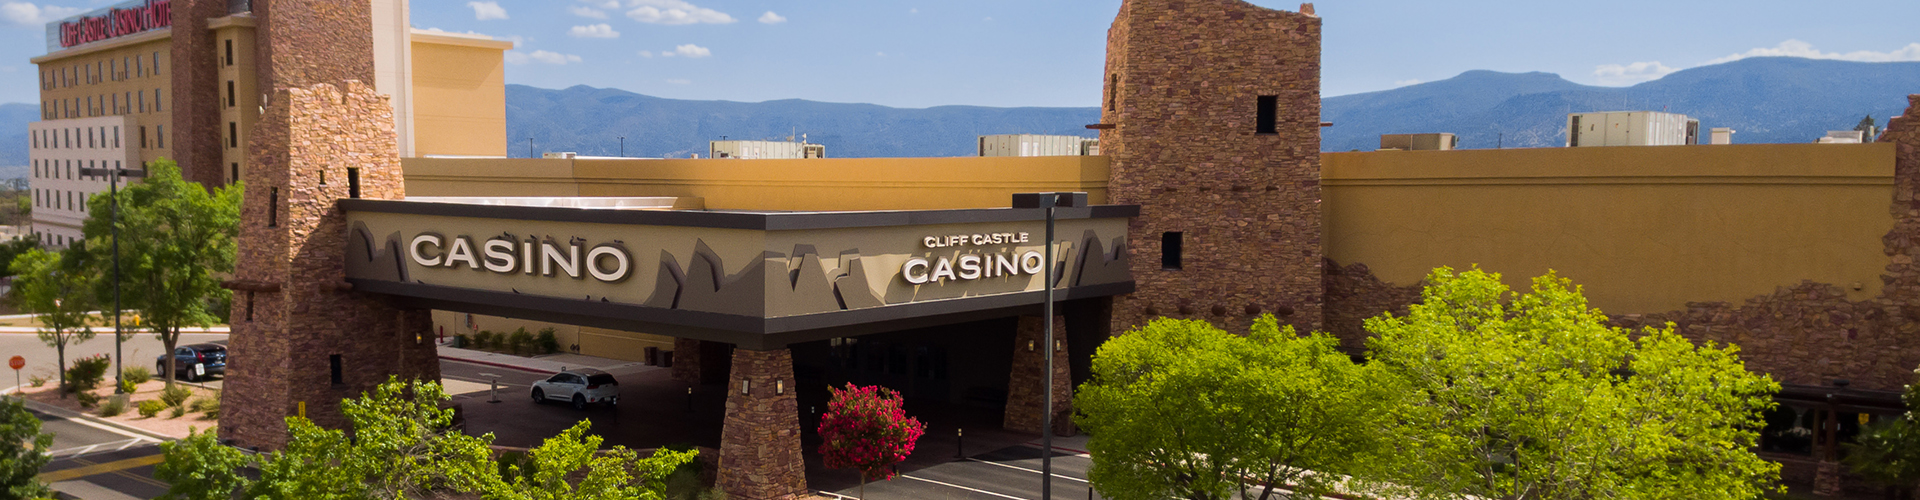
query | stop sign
[17, 362]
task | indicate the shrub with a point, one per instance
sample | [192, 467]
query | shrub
[87, 373]
[519, 341]
[175, 395]
[177, 411]
[87, 399]
[136, 374]
[128, 386]
[482, 339]
[37, 380]
[547, 341]
[461, 340]
[151, 407]
[528, 467]
[113, 407]
[208, 405]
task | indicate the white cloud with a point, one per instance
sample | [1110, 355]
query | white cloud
[646, 54]
[987, 19]
[772, 18]
[1615, 74]
[679, 81]
[674, 12]
[585, 11]
[604, 4]
[690, 51]
[1796, 48]
[540, 56]
[880, 54]
[1406, 82]
[487, 10]
[26, 13]
[913, 11]
[601, 30]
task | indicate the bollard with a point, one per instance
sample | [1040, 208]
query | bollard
[959, 443]
[494, 393]
[689, 400]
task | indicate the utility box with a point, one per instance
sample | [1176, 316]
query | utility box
[1419, 142]
[765, 150]
[1721, 135]
[1631, 128]
[1035, 145]
[558, 155]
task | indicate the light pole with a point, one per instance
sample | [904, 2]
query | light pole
[113, 200]
[623, 146]
[1050, 202]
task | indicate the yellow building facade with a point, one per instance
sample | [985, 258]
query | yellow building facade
[117, 63]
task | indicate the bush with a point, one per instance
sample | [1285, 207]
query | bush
[128, 386]
[461, 340]
[509, 460]
[37, 380]
[547, 342]
[115, 405]
[482, 340]
[87, 373]
[519, 341]
[206, 404]
[151, 407]
[87, 399]
[175, 395]
[136, 374]
[177, 411]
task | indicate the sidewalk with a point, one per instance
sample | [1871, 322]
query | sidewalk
[547, 364]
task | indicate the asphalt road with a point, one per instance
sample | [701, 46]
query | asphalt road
[139, 350]
[97, 462]
[1008, 473]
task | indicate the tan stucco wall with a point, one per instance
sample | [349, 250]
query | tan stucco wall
[1643, 229]
[824, 184]
[459, 95]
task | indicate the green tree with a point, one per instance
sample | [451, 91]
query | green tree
[200, 468]
[1182, 409]
[1888, 451]
[12, 249]
[403, 446]
[1533, 396]
[176, 242]
[23, 451]
[59, 291]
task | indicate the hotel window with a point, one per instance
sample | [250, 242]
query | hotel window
[229, 52]
[143, 102]
[233, 135]
[156, 62]
[230, 101]
[143, 137]
[1266, 113]
[1170, 243]
[160, 136]
[116, 136]
[156, 100]
[140, 67]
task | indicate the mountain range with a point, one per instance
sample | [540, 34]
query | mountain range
[1766, 100]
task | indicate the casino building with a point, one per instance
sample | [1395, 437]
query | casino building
[123, 85]
[765, 280]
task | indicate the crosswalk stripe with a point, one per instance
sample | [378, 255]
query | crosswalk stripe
[951, 485]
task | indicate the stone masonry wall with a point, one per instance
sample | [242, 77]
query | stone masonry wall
[195, 96]
[291, 263]
[760, 443]
[1805, 334]
[1025, 383]
[1182, 82]
[304, 42]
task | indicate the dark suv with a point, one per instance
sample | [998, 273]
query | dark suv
[194, 362]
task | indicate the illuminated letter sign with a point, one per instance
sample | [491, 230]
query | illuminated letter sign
[122, 20]
[972, 266]
[606, 262]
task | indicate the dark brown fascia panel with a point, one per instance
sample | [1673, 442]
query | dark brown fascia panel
[765, 221]
[746, 332]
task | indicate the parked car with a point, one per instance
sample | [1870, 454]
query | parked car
[194, 362]
[582, 387]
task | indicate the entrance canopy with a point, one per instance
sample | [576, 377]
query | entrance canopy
[759, 280]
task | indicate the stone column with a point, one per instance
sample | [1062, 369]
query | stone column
[760, 445]
[1026, 381]
[686, 360]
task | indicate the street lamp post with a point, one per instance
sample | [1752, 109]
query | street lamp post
[113, 200]
[623, 146]
[1050, 202]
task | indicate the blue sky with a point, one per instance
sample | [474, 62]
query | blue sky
[1050, 52]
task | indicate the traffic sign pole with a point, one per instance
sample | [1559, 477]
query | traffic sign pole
[16, 363]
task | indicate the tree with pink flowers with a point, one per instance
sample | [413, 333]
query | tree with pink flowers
[865, 428]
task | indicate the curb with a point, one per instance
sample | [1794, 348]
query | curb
[69, 414]
[498, 365]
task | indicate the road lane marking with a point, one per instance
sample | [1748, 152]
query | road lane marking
[951, 485]
[100, 468]
[1035, 471]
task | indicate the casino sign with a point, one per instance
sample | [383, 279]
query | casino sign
[125, 18]
[755, 279]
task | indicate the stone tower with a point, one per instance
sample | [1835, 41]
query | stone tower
[302, 339]
[1211, 118]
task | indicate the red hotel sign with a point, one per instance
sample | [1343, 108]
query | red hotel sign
[116, 22]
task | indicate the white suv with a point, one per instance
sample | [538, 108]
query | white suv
[582, 387]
